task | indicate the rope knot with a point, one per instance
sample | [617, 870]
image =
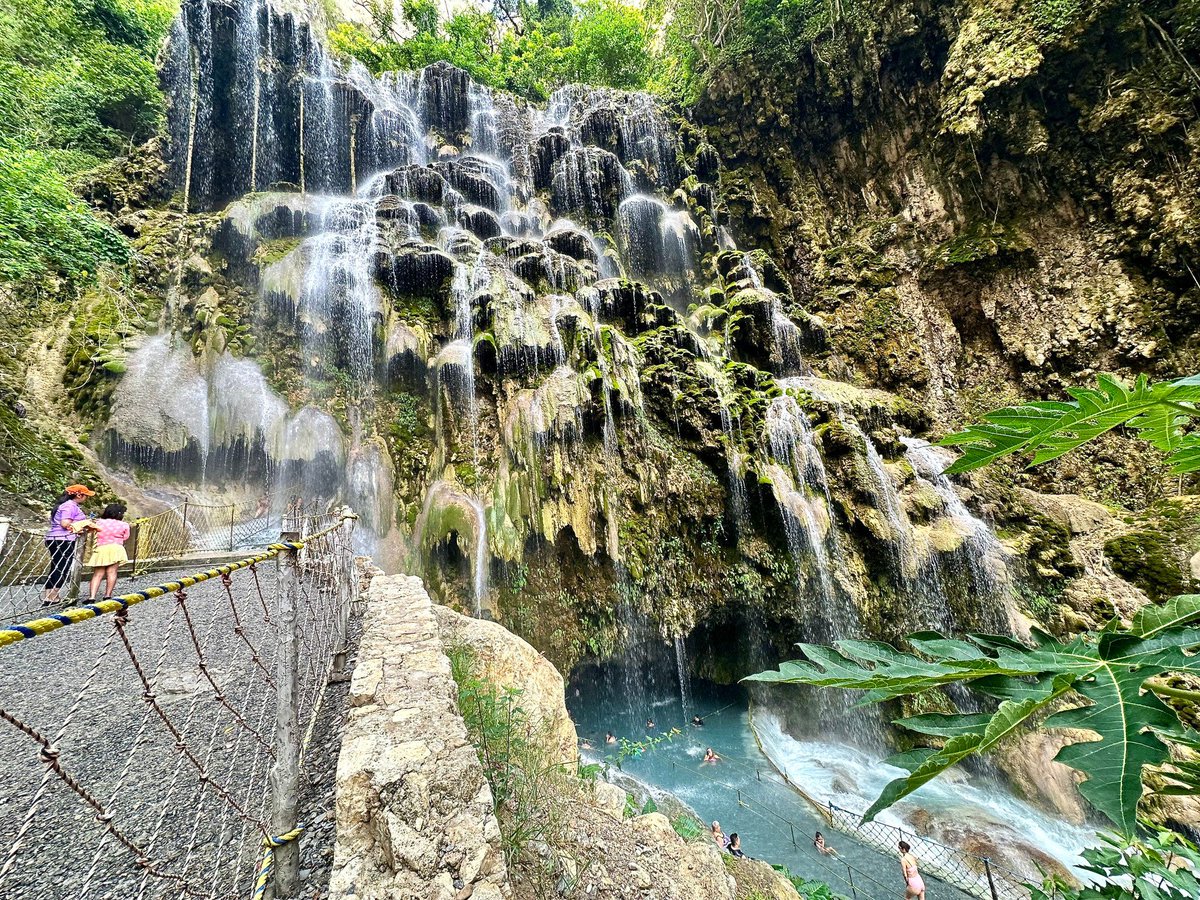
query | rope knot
[49, 753]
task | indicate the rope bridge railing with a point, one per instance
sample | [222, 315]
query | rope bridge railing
[161, 749]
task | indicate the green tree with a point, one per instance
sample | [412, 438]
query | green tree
[611, 44]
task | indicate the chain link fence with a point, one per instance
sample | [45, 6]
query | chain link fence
[161, 749]
[976, 875]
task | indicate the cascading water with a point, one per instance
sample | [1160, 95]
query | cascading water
[433, 254]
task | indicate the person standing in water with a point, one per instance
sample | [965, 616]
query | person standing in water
[914, 885]
[109, 550]
[66, 521]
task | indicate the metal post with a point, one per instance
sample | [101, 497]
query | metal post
[987, 867]
[285, 773]
[135, 541]
[183, 538]
[76, 567]
[232, 513]
[792, 829]
[850, 872]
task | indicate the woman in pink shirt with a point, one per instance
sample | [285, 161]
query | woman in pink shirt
[109, 550]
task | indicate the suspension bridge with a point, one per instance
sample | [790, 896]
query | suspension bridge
[177, 740]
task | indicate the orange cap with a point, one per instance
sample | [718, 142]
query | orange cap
[80, 489]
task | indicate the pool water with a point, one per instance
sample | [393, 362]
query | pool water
[742, 790]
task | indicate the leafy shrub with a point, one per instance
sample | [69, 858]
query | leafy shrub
[77, 86]
[44, 228]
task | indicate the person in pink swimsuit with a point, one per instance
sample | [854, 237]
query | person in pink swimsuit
[914, 886]
[108, 552]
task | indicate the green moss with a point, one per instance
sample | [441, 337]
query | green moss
[978, 242]
[275, 249]
[1148, 559]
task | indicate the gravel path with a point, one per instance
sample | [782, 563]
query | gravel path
[79, 687]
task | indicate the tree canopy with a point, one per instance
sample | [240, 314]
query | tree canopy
[527, 48]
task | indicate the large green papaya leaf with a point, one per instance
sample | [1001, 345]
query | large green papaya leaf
[1048, 429]
[1105, 672]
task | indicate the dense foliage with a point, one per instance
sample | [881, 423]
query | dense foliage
[77, 86]
[527, 48]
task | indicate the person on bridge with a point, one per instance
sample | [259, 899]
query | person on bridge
[914, 885]
[66, 521]
[109, 550]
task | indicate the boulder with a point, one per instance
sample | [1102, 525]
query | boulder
[508, 661]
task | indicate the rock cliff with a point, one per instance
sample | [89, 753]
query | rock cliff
[416, 817]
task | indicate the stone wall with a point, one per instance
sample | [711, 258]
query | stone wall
[415, 815]
[414, 811]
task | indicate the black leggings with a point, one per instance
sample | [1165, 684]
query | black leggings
[62, 560]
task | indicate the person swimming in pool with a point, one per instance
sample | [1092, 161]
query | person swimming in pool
[697, 721]
[710, 756]
[609, 737]
[819, 843]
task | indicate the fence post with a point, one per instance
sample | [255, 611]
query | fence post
[850, 873]
[346, 592]
[232, 514]
[285, 773]
[792, 829]
[76, 567]
[987, 867]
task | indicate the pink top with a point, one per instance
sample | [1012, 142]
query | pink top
[111, 531]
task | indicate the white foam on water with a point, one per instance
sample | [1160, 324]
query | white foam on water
[947, 809]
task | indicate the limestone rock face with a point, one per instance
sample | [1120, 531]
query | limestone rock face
[414, 811]
[1029, 762]
[507, 660]
[757, 879]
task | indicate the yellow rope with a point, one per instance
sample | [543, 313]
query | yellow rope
[14, 634]
[267, 863]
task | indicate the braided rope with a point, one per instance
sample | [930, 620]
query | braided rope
[267, 865]
[13, 634]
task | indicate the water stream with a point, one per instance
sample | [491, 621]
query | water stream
[747, 793]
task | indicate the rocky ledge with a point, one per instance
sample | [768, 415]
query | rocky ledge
[416, 816]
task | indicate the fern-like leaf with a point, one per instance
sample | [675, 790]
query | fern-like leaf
[1159, 413]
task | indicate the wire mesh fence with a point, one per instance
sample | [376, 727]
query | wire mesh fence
[977, 875]
[154, 747]
[163, 540]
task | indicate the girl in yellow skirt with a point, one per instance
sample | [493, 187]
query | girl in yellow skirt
[108, 552]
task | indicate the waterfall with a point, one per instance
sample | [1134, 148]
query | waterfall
[785, 349]
[685, 679]
[802, 491]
